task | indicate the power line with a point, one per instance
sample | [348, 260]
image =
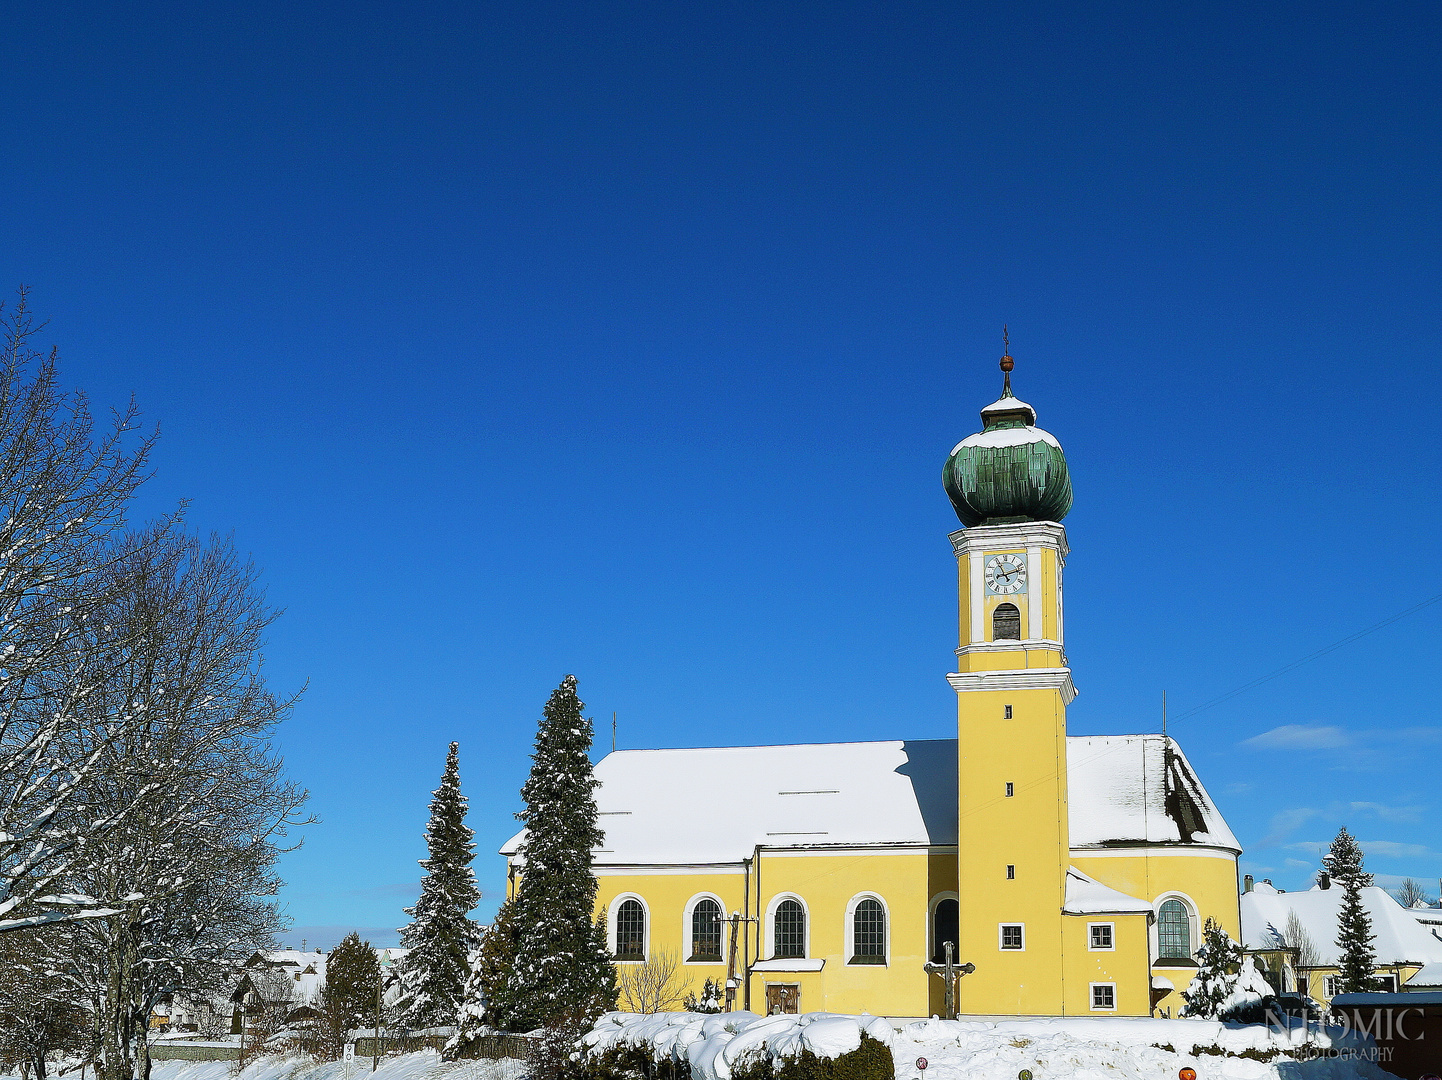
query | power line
[1309, 658]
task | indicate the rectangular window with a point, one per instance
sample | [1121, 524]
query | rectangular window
[1104, 997]
[1010, 789]
[1013, 936]
[1100, 934]
[1010, 872]
[1007, 714]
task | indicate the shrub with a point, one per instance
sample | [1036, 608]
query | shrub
[870, 1061]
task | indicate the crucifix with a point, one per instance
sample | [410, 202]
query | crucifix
[950, 972]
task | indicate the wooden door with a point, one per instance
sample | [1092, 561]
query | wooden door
[783, 998]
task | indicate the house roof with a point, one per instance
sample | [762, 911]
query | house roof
[1400, 938]
[1429, 976]
[873, 794]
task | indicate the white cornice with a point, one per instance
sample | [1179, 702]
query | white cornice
[1009, 645]
[1024, 534]
[1024, 679]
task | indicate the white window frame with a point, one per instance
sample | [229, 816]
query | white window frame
[1194, 938]
[1111, 936]
[848, 928]
[1092, 992]
[613, 910]
[1000, 936]
[770, 950]
[686, 931]
[931, 924]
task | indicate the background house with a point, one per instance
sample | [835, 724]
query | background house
[1293, 936]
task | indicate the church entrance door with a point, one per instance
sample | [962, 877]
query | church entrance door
[783, 998]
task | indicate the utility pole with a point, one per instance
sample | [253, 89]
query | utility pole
[376, 1031]
[732, 982]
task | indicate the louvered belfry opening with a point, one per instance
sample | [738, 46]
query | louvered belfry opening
[1006, 623]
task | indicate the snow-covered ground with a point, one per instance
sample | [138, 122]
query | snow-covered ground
[1074, 1049]
[1061, 1049]
[426, 1065]
[1119, 1049]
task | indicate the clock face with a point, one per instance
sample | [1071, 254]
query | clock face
[1005, 574]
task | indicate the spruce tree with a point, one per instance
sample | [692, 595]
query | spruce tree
[1219, 961]
[562, 968]
[487, 996]
[352, 973]
[440, 936]
[1354, 926]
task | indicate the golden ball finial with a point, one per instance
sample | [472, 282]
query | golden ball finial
[1007, 363]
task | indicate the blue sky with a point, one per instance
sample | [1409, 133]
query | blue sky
[629, 340]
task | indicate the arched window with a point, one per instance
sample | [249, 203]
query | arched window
[868, 933]
[706, 930]
[1174, 930]
[630, 931]
[790, 930]
[1006, 623]
[945, 926]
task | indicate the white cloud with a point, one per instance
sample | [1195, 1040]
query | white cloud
[1391, 849]
[1300, 737]
[1288, 822]
[1389, 813]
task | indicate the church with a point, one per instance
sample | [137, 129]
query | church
[1062, 875]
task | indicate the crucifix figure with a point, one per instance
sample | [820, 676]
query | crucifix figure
[950, 972]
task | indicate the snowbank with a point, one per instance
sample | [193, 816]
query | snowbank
[712, 1044]
[1120, 1048]
[1124, 1048]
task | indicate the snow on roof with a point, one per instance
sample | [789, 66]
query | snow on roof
[1088, 896]
[289, 957]
[1429, 976]
[1133, 789]
[869, 793]
[1009, 404]
[1017, 436]
[1400, 938]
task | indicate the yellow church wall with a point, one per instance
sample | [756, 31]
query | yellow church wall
[828, 885]
[1205, 883]
[1124, 966]
[666, 898]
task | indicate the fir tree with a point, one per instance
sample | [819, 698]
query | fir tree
[352, 973]
[1226, 982]
[1354, 926]
[487, 995]
[562, 968]
[440, 936]
[1218, 962]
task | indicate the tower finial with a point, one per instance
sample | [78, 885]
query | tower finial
[1006, 363]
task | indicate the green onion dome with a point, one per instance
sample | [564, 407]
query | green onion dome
[1011, 470]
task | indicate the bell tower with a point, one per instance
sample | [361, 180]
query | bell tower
[1010, 488]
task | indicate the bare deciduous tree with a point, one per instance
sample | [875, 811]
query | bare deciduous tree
[654, 986]
[64, 491]
[186, 879]
[1411, 892]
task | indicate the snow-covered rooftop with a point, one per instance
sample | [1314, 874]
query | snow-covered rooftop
[872, 793]
[1016, 436]
[1127, 789]
[1400, 938]
[1088, 896]
[1009, 404]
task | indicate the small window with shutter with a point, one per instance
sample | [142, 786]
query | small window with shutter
[1006, 623]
